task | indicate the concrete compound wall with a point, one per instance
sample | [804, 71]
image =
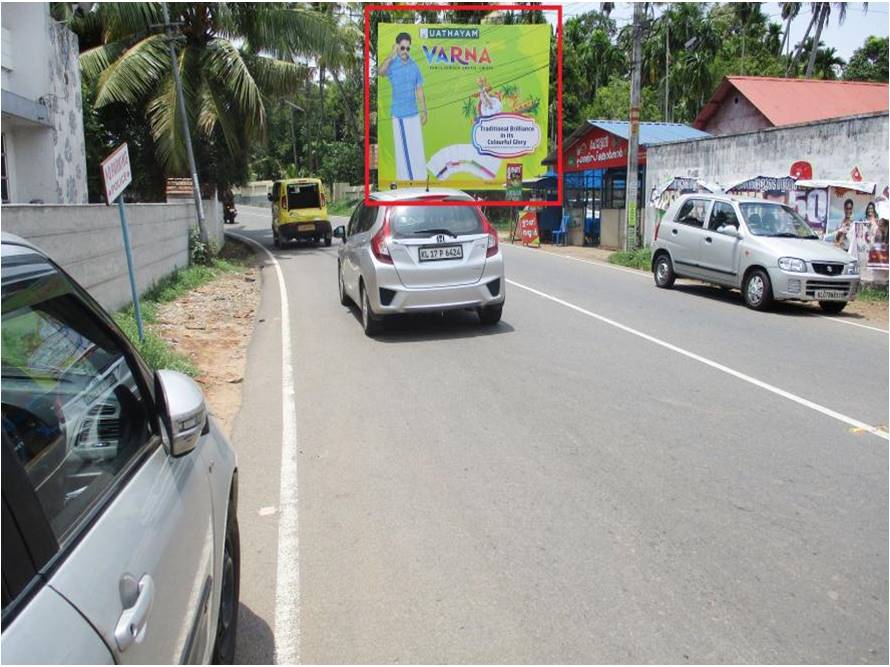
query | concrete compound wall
[832, 147]
[86, 241]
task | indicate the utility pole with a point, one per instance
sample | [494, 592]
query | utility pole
[293, 131]
[631, 217]
[667, 68]
[180, 100]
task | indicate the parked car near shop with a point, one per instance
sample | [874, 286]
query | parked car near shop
[763, 248]
[120, 531]
[414, 258]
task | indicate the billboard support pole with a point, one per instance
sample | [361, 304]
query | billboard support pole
[130, 270]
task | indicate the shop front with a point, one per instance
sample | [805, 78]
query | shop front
[595, 177]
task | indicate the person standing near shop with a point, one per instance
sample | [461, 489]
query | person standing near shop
[408, 110]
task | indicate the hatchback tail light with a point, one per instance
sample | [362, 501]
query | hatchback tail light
[379, 244]
[492, 236]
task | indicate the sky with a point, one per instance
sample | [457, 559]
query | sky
[844, 38]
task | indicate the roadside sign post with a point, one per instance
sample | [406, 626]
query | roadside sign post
[116, 175]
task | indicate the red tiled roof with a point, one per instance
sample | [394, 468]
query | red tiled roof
[789, 101]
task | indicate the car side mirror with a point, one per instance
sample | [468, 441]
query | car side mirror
[186, 411]
[729, 230]
[340, 233]
[269, 196]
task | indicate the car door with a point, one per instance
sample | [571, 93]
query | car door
[131, 526]
[39, 625]
[686, 234]
[357, 243]
[719, 251]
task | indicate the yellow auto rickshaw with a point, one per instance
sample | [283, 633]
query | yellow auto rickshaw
[299, 211]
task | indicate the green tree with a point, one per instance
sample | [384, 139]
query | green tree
[869, 61]
[225, 86]
[613, 102]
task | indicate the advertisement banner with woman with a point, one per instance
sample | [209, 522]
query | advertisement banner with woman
[457, 103]
[855, 226]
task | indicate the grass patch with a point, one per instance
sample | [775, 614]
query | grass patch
[635, 259]
[155, 350]
[342, 206]
[872, 294]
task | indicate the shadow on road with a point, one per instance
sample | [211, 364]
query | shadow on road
[454, 324]
[789, 308]
[255, 644]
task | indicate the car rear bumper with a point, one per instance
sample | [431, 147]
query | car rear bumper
[389, 296]
[789, 286]
[300, 230]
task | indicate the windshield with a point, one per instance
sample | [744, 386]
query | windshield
[775, 220]
[414, 221]
[302, 195]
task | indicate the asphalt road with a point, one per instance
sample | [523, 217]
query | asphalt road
[612, 474]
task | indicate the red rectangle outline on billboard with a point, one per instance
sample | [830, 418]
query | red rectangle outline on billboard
[531, 202]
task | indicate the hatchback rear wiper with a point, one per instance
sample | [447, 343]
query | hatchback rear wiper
[435, 231]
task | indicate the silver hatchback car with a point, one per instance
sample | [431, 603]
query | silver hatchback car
[412, 258]
[763, 248]
[120, 530]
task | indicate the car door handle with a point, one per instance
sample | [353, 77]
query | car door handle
[674, 232]
[707, 239]
[131, 626]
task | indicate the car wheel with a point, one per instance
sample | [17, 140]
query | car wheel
[327, 241]
[227, 624]
[490, 315]
[344, 300]
[832, 307]
[370, 324]
[758, 290]
[664, 271]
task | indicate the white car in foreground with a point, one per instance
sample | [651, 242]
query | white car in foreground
[120, 529]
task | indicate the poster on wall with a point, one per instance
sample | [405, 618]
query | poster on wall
[528, 228]
[845, 206]
[458, 103]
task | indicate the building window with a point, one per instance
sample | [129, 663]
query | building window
[5, 172]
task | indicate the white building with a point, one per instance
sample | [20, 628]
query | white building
[44, 159]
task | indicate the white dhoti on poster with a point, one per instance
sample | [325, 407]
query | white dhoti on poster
[408, 144]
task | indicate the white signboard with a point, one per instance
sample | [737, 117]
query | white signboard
[116, 173]
[506, 135]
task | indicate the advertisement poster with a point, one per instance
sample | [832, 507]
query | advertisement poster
[514, 181]
[528, 228]
[457, 103]
[844, 208]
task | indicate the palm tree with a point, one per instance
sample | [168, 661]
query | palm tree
[823, 13]
[225, 86]
[790, 10]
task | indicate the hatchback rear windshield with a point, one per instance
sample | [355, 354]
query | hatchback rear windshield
[302, 195]
[414, 221]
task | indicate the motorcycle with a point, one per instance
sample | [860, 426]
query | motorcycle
[229, 213]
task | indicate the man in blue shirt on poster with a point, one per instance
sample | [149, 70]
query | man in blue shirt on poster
[407, 94]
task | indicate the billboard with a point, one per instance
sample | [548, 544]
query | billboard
[457, 103]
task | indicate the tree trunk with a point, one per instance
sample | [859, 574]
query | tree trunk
[357, 134]
[823, 16]
[800, 46]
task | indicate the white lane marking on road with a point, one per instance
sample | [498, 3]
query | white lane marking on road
[838, 320]
[287, 593]
[647, 276]
[594, 262]
[713, 364]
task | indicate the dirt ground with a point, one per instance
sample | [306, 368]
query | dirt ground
[212, 326]
[865, 312]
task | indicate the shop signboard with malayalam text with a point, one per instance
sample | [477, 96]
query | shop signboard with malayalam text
[598, 149]
[528, 228]
[458, 103]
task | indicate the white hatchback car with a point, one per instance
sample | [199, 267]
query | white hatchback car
[120, 530]
[411, 257]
